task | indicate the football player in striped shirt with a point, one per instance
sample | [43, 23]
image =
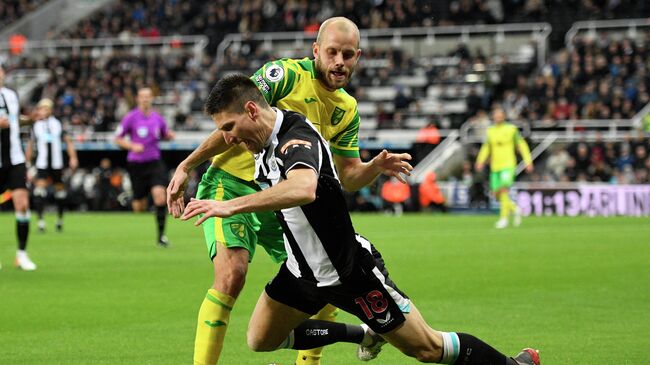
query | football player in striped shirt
[313, 87]
[46, 144]
[327, 261]
[13, 174]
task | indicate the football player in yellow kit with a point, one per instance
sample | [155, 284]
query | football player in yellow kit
[502, 139]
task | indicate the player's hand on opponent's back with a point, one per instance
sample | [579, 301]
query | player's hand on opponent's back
[176, 191]
[393, 164]
[209, 208]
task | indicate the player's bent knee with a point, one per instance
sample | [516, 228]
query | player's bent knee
[258, 343]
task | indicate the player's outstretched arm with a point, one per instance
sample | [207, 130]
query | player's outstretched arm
[213, 145]
[355, 174]
[298, 189]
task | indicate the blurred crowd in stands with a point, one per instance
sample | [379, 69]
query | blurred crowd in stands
[599, 161]
[92, 93]
[12, 10]
[152, 18]
[595, 78]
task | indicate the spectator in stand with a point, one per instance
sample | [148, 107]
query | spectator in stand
[426, 140]
[610, 154]
[597, 148]
[599, 172]
[625, 158]
[384, 119]
[641, 140]
[558, 161]
[582, 157]
[402, 100]
[640, 156]
[571, 173]
[395, 194]
[563, 110]
[430, 194]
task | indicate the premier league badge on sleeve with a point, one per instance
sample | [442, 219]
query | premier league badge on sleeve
[274, 73]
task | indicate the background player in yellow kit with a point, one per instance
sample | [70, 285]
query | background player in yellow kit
[500, 143]
[313, 88]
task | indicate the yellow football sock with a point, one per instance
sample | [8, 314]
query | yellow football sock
[512, 206]
[312, 357]
[213, 319]
[506, 205]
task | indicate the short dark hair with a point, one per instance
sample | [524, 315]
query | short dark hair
[231, 94]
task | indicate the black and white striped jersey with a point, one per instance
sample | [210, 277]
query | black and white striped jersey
[11, 149]
[47, 135]
[319, 236]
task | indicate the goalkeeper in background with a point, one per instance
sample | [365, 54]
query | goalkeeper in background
[500, 143]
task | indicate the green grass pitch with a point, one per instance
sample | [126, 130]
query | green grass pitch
[576, 288]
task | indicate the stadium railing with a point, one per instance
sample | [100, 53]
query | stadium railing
[511, 39]
[565, 130]
[104, 46]
[26, 81]
[623, 28]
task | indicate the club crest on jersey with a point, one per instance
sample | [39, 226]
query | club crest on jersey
[238, 229]
[295, 143]
[337, 115]
[274, 73]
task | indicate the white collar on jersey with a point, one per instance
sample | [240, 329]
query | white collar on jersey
[279, 117]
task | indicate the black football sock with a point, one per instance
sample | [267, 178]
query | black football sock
[22, 230]
[315, 333]
[476, 352]
[59, 207]
[40, 199]
[161, 216]
[39, 205]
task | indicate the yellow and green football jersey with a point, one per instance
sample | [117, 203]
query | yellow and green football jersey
[292, 84]
[500, 146]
